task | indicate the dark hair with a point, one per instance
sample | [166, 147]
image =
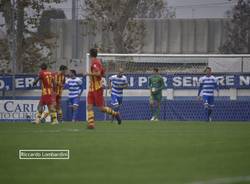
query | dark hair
[73, 71]
[207, 68]
[93, 52]
[156, 69]
[63, 67]
[43, 66]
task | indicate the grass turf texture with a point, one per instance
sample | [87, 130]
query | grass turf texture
[134, 153]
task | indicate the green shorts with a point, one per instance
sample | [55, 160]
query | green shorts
[155, 97]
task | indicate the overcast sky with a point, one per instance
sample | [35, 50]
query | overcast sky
[183, 8]
[201, 8]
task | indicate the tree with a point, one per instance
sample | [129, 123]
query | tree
[44, 26]
[120, 17]
[238, 30]
[32, 48]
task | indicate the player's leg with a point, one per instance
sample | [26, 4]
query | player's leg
[205, 102]
[108, 110]
[59, 113]
[40, 109]
[45, 114]
[119, 100]
[99, 102]
[117, 109]
[210, 107]
[151, 104]
[76, 102]
[158, 106]
[90, 111]
[50, 102]
[39, 112]
[116, 103]
[59, 108]
[71, 102]
[52, 112]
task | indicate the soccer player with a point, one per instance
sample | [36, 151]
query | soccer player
[75, 87]
[207, 85]
[59, 80]
[95, 93]
[116, 85]
[156, 85]
[46, 79]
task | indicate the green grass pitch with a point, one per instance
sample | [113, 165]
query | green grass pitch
[138, 152]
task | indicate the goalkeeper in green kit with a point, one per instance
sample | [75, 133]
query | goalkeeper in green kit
[156, 84]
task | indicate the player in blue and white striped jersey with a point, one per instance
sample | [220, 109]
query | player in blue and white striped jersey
[207, 85]
[116, 85]
[75, 87]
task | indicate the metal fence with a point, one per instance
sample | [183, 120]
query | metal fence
[162, 36]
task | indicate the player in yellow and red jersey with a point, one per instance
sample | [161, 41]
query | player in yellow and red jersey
[47, 83]
[95, 94]
[59, 81]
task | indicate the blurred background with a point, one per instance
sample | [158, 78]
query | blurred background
[62, 31]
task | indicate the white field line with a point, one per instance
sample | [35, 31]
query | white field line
[229, 180]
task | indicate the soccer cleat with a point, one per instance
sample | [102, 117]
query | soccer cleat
[60, 121]
[152, 119]
[91, 126]
[156, 119]
[118, 118]
[37, 121]
[54, 122]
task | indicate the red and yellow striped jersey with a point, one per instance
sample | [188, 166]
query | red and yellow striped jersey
[46, 79]
[96, 82]
[59, 81]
